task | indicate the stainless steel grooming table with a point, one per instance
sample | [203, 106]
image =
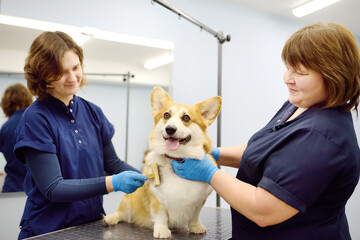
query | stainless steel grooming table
[216, 220]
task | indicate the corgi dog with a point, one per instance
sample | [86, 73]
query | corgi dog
[179, 132]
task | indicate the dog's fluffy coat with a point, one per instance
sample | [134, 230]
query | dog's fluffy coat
[179, 132]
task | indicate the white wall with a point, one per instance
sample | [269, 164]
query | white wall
[252, 69]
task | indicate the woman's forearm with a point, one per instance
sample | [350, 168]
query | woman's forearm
[109, 184]
[255, 203]
[231, 156]
[112, 163]
[46, 172]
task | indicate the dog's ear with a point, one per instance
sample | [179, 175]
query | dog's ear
[210, 109]
[159, 99]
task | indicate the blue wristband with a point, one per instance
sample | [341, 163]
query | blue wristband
[215, 152]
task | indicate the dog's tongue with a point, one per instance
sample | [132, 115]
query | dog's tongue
[172, 144]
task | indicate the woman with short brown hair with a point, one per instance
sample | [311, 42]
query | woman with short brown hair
[331, 50]
[14, 101]
[296, 174]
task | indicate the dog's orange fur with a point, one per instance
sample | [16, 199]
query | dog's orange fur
[176, 202]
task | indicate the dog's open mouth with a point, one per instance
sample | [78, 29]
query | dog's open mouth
[172, 144]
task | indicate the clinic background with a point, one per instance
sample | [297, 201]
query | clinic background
[252, 71]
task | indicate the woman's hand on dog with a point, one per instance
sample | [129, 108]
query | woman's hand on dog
[194, 169]
[128, 181]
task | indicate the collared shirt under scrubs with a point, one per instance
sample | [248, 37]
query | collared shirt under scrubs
[15, 170]
[76, 134]
[312, 163]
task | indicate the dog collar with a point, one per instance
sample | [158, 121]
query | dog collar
[174, 158]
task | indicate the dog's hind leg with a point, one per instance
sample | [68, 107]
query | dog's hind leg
[113, 219]
[118, 216]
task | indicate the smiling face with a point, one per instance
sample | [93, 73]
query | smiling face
[68, 85]
[306, 87]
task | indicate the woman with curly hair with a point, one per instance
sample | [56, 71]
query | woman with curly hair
[14, 101]
[65, 142]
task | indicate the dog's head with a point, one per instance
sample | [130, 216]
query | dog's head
[180, 130]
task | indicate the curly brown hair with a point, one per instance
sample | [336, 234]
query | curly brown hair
[43, 64]
[15, 97]
[331, 50]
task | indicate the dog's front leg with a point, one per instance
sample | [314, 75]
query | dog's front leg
[195, 224]
[160, 219]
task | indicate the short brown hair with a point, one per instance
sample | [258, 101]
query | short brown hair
[15, 97]
[331, 50]
[43, 64]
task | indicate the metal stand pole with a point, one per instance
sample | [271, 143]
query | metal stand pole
[127, 80]
[221, 39]
[218, 135]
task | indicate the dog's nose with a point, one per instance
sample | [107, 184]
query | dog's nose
[170, 130]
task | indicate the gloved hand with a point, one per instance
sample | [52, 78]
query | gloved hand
[215, 152]
[128, 181]
[194, 169]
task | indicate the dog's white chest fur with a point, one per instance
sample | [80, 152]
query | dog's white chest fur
[180, 197]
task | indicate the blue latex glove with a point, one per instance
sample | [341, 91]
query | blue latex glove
[215, 152]
[128, 181]
[193, 169]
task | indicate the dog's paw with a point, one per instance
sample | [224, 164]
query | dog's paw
[197, 229]
[111, 219]
[162, 232]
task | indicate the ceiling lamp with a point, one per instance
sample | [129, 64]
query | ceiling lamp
[73, 31]
[159, 62]
[83, 34]
[312, 6]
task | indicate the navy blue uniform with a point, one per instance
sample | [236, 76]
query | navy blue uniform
[312, 163]
[15, 170]
[69, 191]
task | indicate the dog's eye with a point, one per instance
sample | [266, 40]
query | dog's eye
[167, 115]
[186, 118]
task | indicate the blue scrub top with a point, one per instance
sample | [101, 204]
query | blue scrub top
[76, 134]
[15, 170]
[312, 163]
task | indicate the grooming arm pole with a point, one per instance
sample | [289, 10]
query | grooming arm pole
[202, 26]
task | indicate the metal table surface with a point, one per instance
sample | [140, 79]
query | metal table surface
[216, 220]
